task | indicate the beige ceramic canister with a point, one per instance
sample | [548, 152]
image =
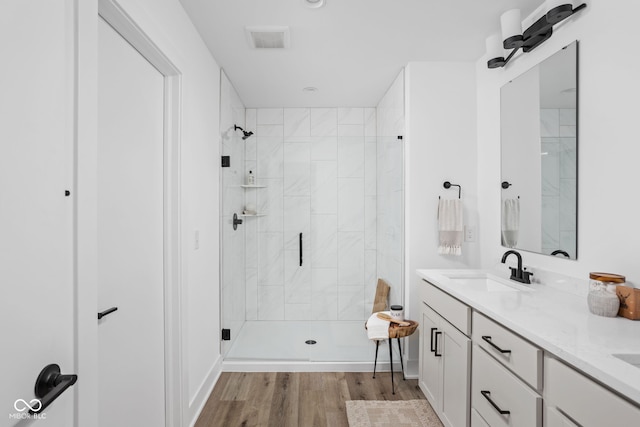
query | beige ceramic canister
[602, 298]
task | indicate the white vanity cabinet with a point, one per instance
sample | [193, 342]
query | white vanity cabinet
[573, 399]
[445, 356]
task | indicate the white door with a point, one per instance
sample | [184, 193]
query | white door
[36, 217]
[130, 235]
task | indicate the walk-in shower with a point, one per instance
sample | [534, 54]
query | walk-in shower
[322, 220]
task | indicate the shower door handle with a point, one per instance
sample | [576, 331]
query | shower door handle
[300, 245]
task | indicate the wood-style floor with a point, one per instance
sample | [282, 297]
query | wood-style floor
[300, 399]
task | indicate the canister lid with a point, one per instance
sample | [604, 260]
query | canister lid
[396, 307]
[607, 277]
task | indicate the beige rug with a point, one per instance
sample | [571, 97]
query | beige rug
[391, 413]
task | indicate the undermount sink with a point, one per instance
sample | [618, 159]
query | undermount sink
[631, 358]
[484, 282]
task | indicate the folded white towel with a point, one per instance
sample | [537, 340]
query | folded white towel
[450, 227]
[378, 329]
[510, 222]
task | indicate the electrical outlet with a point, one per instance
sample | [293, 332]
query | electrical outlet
[469, 233]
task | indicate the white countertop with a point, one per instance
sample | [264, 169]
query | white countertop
[560, 323]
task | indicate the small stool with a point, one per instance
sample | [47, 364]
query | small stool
[396, 331]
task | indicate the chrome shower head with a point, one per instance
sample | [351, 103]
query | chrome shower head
[246, 134]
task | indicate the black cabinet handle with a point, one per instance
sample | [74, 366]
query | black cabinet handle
[435, 353]
[487, 338]
[487, 395]
[50, 385]
[432, 348]
[300, 243]
[107, 311]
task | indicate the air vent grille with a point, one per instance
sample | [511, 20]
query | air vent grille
[268, 37]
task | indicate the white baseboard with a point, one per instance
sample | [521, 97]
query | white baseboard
[202, 395]
[303, 366]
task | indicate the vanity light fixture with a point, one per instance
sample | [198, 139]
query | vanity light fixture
[514, 38]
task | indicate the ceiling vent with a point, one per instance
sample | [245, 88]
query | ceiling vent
[268, 37]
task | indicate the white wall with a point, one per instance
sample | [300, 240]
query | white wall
[607, 150]
[440, 146]
[166, 23]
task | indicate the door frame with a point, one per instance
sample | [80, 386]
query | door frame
[115, 15]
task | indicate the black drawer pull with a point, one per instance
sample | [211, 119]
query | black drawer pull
[432, 348]
[487, 395]
[435, 353]
[487, 338]
[107, 311]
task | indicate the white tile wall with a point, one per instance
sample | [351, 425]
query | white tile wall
[320, 175]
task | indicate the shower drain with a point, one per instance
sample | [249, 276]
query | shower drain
[310, 342]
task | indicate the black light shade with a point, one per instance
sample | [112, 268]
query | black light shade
[559, 13]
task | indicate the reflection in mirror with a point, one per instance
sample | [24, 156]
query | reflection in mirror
[539, 142]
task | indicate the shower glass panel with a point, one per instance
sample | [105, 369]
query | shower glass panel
[312, 251]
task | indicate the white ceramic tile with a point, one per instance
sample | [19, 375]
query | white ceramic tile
[324, 241]
[568, 242]
[250, 123]
[270, 116]
[270, 131]
[351, 204]
[350, 130]
[324, 122]
[350, 157]
[370, 175]
[270, 202]
[351, 303]
[297, 169]
[370, 219]
[350, 116]
[370, 274]
[324, 187]
[324, 148]
[270, 302]
[252, 294]
[567, 131]
[550, 164]
[297, 311]
[251, 243]
[550, 221]
[549, 123]
[350, 258]
[568, 158]
[270, 259]
[251, 148]
[270, 158]
[370, 122]
[297, 214]
[297, 123]
[324, 293]
[297, 281]
[567, 117]
[567, 205]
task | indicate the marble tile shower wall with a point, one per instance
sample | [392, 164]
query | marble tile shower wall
[558, 134]
[390, 226]
[232, 112]
[318, 166]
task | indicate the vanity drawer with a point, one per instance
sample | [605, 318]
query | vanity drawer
[476, 419]
[493, 384]
[585, 401]
[457, 313]
[519, 355]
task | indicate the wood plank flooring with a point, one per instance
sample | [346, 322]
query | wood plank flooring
[297, 399]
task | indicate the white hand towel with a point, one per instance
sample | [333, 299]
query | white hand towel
[450, 227]
[510, 222]
[378, 329]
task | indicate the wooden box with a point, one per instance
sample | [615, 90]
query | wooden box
[629, 302]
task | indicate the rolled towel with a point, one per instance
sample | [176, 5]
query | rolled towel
[378, 329]
[450, 227]
[510, 222]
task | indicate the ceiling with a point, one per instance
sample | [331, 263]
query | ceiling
[350, 50]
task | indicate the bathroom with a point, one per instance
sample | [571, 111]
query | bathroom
[451, 132]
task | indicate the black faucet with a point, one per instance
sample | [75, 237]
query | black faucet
[518, 274]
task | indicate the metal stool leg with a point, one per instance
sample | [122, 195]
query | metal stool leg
[393, 390]
[376, 361]
[401, 362]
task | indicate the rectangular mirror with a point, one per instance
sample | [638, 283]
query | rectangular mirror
[539, 146]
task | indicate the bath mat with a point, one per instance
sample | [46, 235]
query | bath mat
[391, 413]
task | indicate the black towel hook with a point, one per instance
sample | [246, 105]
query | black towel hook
[448, 185]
